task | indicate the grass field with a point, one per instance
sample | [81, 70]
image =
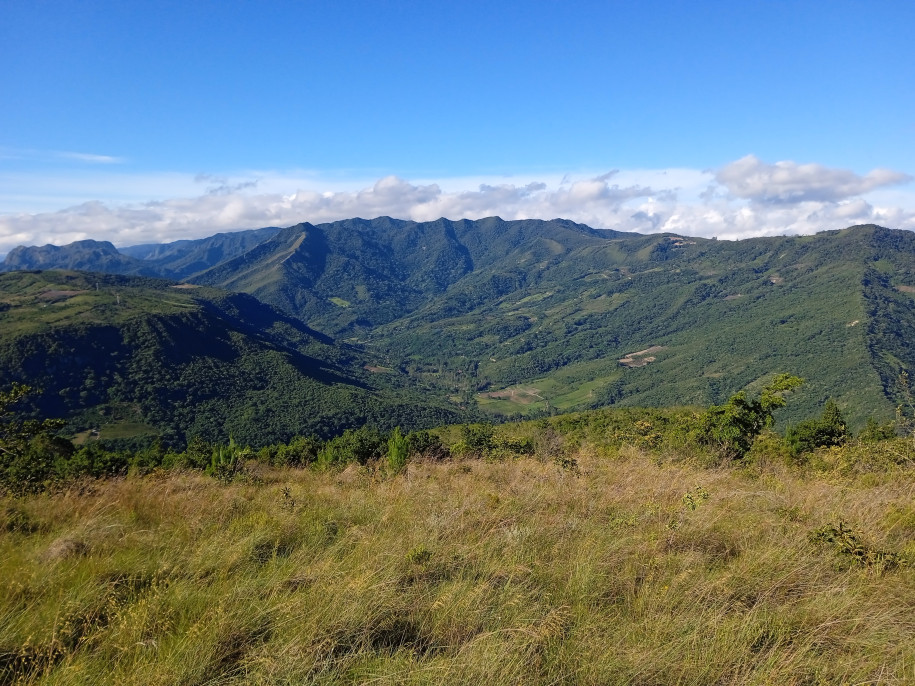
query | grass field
[611, 566]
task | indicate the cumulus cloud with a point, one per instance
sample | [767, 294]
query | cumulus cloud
[745, 198]
[789, 182]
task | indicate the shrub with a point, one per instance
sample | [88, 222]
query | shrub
[355, 445]
[27, 449]
[731, 428]
[478, 438]
[426, 444]
[301, 451]
[92, 460]
[227, 461]
[31, 470]
[198, 453]
[873, 432]
[828, 431]
[398, 448]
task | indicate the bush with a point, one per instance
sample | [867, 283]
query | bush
[355, 445]
[92, 460]
[426, 444]
[398, 448]
[28, 449]
[873, 432]
[300, 451]
[478, 438]
[227, 461]
[731, 428]
[31, 470]
[830, 430]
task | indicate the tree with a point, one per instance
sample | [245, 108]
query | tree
[827, 431]
[28, 451]
[397, 451]
[732, 427]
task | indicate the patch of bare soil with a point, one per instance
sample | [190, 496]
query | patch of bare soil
[640, 358]
[522, 396]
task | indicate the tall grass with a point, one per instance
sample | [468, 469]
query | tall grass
[632, 568]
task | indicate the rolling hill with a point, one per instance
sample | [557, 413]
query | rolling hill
[527, 317]
[141, 357]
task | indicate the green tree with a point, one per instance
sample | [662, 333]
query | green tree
[28, 449]
[732, 427]
[397, 451]
[827, 431]
[478, 438]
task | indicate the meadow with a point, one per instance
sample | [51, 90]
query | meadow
[605, 554]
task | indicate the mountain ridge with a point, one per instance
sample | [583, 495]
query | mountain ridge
[530, 316]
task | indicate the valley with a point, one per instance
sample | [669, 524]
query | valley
[506, 319]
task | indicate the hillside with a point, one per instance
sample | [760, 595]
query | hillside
[690, 322]
[529, 316]
[523, 317]
[136, 356]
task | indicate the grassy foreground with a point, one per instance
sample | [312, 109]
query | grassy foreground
[617, 567]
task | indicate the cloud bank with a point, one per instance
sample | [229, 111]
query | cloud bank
[745, 198]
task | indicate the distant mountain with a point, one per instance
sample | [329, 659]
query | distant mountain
[177, 260]
[666, 320]
[534, 316]
[181, 259]
[99, 256]
[349, 276]
[145, 356]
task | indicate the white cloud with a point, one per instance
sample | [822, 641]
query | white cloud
[745, 198]
[789, 182]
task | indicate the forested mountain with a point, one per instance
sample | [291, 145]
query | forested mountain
[181, 259]
[100, 256]
[145, 356]
[177, 260]
[532, 316]
[348, 276]
[666, 320]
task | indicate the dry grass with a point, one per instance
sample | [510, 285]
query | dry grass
[509, 572]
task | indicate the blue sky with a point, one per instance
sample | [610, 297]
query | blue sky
[146, 121]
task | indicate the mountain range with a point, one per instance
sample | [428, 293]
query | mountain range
[521, 317]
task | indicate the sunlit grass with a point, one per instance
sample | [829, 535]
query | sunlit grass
[465, 571]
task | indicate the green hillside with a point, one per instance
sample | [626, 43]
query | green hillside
[676, 321]
[176, 260]
[131, 356]
[530, 317]
[347, 277]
